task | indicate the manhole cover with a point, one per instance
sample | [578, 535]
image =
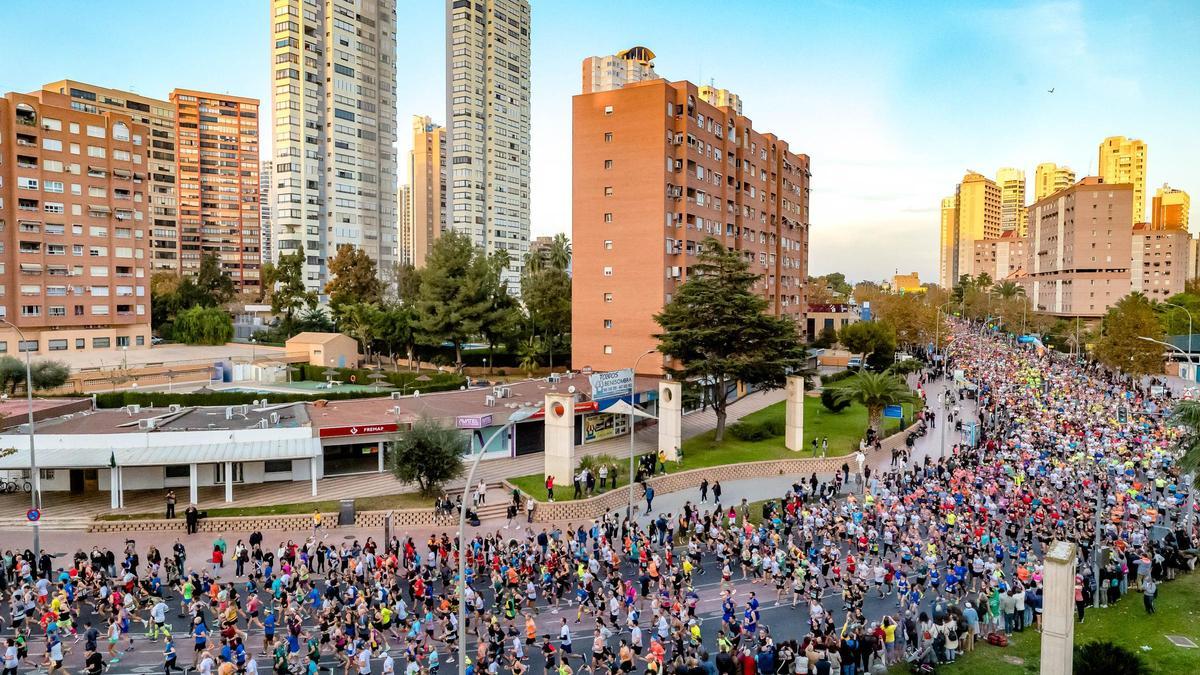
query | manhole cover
[349, 536]
[1181, 641]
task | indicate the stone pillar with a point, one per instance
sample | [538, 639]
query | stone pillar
[794, 414]
[114, 489]
[193, 484]
[228, 481]
[312, 474]
[1058, 608]
[670, 418]
[379, 453]
[560, 438]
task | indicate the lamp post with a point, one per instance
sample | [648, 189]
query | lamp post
[517, 416]
[1189, 314]
[937, 328]
[632, 422]
[33, 467]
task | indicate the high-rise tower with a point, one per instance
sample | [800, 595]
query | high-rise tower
[1123, 160]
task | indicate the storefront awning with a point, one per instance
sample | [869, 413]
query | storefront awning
[208, 453]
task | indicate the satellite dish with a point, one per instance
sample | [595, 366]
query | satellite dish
[571, 389]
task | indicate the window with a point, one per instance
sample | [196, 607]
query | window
[608, 323]
[52, 144]
[3, 347]
[277, 466]
[608, 163]
[57, 345]
[608, 137]
[27, 183]
[141, 340]
[608, 191]
[53, 186]
[608, 217]
[100, 343]
[31, 310]
[175, 470]
[27, 346]
[122, 340]
[608, 110]
[608, 297]
[608, 349]
[96, 151]
[80, 343]
[608, 244]
[608, 271]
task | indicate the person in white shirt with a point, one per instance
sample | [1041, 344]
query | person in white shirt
[364, 660]
[389, 664]
[251, 665]
[206, 664]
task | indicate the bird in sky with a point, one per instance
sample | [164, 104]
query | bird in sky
[1050, 90]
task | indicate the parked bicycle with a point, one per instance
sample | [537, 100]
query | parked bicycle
[11, 485]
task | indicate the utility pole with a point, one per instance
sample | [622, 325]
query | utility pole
[1096, 546]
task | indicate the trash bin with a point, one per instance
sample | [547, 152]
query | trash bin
[346, 513]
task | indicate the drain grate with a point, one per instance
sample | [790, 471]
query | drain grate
[1181, 641]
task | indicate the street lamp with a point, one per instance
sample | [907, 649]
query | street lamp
[1189, 313]
[632, 422]
[937, 328]
[517, 416]
[33, 467]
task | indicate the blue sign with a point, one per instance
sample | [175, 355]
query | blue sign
[1026, 339]
[893, 411]
[611, 384]
[33, 515]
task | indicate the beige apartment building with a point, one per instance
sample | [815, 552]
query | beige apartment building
[487, 112]
[159, 115]
[1050, 178]
[1012, 200]
[74, 226]
[947, 263]
[427, 183]
[976, 216]
[1170, 208]
[1123, 160]
[656, 171]
[1000, 258]
[217, 167]
[334, 131]
[1160, 260]
[602, 73]
[1079, 249]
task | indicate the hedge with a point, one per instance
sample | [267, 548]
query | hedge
[397, 379]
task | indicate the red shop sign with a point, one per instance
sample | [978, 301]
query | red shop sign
[359, 430]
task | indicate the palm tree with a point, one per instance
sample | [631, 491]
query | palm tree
[875, 391]
[1186, 414]
[560, 252]
[1008, 290]
[984, 280]
[1097, 657]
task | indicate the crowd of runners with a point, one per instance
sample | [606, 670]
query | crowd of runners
[919, 562]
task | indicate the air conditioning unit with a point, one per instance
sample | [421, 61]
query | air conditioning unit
[554, 378]
[243, 409]
[489, 401]
[396, 396]
[262, 424]
[505, 392]
[416, 393]
[229, 412]
[146, 424]
[174, 408]
[274, 418]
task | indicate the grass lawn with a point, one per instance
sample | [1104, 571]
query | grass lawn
[1125, 624]
[381, 503]
[843, 429]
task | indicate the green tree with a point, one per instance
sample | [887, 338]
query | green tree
[408, 284]
[559, 255]
[203, 326]
[874, 391]
[501, 321]
[875, 340]
[826, 338]
[529, 356]
[1186, 415]
[267, 276]
[353, 278]
[1008, 289]
[428, 455]
[547, 297]
[361, 321]
[832, 402]
[49, 374]
[718, 328]
[1121, 346]
[214, 286]
[396, 330]
[454, 297]
[290, 294]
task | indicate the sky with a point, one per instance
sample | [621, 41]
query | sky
[893, 101]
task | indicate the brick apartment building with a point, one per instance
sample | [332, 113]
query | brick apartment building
[656, 170]
[1078, 250]
[74, 239]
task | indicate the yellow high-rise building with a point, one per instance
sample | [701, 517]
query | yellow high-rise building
[1050, 178]
[427, 184]
[1123, 160]
[977, 216]
[1012, 199]
[947, 262]
[1169, 209]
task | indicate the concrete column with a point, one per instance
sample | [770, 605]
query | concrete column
[1058, 608]
[312, 474]
[228, 481]
[793, 436]
[114, 490]
[379, 451]
[560, 438]
[670, 418]
[193, 484]
[121, 487]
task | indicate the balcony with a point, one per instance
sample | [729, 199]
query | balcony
[26, 141]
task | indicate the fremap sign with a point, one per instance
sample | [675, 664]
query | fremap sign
[359, 430]
[611, 384]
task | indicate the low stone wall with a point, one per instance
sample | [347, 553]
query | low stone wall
[297, 522]
[618, 499]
